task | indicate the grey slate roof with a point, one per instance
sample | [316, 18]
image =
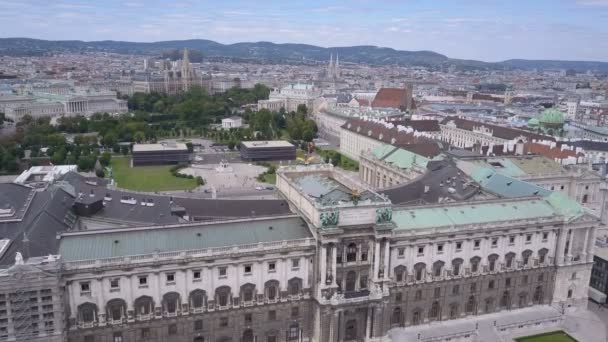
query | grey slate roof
[209, 209]
[114, 210]
[48, 213]
[138, 241]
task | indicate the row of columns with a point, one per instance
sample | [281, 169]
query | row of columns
[566, 238]
[372, 324]
[77, 107]
[324, 273]
[379, 256]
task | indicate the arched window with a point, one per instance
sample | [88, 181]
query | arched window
[350, 331]
[400, 273]
[351, 252]
[247, 335]
[294, 332]
[417, 313]
[471, 305]
[456, 266]
[453, 310]
[526, 257]
[295, 286]
[396, 317]
[116, 309]
[542, 255]
[489, 305]
[434, 312]
[420, 269]
[475, 264]
[492, 262]
[271, 289]
[247, 292]
[197, 299]
[437, 268]
[87, 312]
[222, 295]
[505, 300]
[538, 295]
[171, 302]
[351, 281]
[523, 299]
[509, 259]
[143, 305]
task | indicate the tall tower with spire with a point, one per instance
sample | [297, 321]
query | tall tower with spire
[333, 69]
[187, 74]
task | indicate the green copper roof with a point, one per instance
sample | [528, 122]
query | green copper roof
[422, 218]
[505, 186]
[533, 122]
[180, 238]
[401, 158]
[556, 204]
[551, 116]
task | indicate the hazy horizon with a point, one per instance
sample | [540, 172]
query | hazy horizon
[471, 29]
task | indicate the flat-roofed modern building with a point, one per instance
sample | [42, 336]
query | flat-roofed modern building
[158, 154]
[267, 150]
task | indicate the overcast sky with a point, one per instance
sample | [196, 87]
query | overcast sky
[488, 30]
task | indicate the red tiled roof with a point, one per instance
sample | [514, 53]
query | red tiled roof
[363, 102]
[390, 98]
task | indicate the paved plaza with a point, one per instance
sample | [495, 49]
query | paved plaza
[585, 325]
[232, 176]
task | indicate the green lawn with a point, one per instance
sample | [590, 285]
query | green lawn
[554, 336]
[147, 178]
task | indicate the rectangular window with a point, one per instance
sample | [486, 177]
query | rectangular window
[272, 315]
[364, 255]
[248, 318]
[295, 312]
[420, 250]
[223, 271]
[248, 269]
[143, 281]
[196, 275]
[511, 240]
[117, 337]
[114, 284]
[198, 325]
[439, 249]
[295, 264]
[545, 236]
[528, 238]
[85, 287]
[401, 251]
[363, 282]
[541, 277]
[170, 277]
[508, 282]
[491, 284]
[495, 242]
[145, 332]
[473, 287]
[476, 244]
[272, 267]
[223, 322]
[398, 297]
[437, 292]
[455, 289]
[458, 246]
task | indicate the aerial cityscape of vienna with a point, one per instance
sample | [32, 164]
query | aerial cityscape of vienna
[304, 171]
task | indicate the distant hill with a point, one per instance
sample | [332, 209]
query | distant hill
[266, 51]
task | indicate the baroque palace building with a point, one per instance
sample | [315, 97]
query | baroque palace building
[333, 261]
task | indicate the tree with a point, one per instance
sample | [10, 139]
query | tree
[105, 158]
[124, 150]
[109, 139]
[139, 137]
[231, 145]
[302, 109]
[190, 147]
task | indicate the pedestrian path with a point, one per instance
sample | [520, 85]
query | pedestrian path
[505, 326]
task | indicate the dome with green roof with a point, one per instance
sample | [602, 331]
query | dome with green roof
[552, 116]
[533, 123]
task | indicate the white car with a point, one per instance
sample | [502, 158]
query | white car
[259, 187]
